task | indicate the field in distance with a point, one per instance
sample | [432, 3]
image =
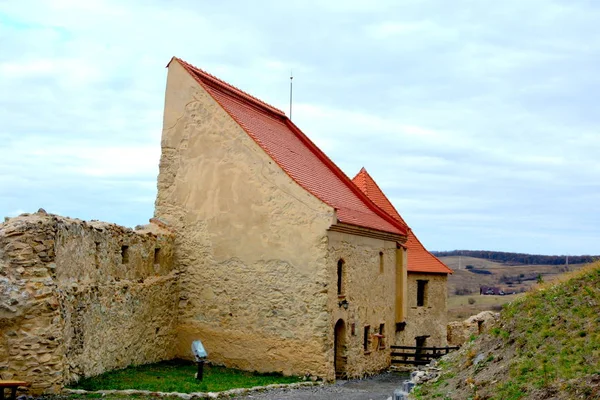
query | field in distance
[465, 283]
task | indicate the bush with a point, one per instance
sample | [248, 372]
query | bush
[462, 291]
[471, 300]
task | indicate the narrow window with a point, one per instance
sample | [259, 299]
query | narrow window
[421, 293]
[366, 338]
[125, 254]
[97, 255]
[381, 262]
[340, 277]
[381, 336]
[157, 255]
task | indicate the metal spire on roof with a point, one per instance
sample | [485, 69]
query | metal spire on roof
[291, 77]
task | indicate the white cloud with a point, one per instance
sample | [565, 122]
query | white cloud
[479, 124]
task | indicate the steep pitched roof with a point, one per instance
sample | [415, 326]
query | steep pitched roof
[419, 259]
[299, 157]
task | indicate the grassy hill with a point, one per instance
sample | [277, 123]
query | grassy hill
[545, 346]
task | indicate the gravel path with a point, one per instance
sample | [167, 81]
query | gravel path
[378, 387]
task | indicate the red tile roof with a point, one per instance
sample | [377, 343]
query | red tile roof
[419, 259]
[299, 157]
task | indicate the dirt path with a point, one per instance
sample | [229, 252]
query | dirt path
[379, 387]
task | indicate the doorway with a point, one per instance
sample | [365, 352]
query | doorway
[339, 349]
[421, 341]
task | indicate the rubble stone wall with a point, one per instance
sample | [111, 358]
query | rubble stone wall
[461, 331]
[80, 298]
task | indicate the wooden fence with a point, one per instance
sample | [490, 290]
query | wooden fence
[418, 355]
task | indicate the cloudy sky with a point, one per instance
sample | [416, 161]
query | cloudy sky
[479, 119]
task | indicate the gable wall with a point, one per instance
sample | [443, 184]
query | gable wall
[251, 244]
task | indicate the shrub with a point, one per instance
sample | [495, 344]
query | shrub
[462, 291]
[471, 300]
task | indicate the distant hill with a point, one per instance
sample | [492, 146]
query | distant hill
[518, 258]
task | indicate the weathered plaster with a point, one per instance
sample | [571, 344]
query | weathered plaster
[430, 319]
[370, 295]
[251, 243]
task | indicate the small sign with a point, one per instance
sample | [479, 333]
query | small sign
[198, 350]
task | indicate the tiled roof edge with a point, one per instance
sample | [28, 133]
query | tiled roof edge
[450, 271]
[340, 174]
[221, 84]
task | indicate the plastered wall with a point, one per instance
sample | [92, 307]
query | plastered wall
[430, 319]
[370, 294]
[70, 307]
[251, 244]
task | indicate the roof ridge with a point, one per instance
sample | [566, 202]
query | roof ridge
[235, 90]
[364, 171]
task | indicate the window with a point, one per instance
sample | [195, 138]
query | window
[367, 333]
[340, 277]
[381, 336]
[125, 254]
[381, 262]
[421, 293]
[157, 255]
[97, 255]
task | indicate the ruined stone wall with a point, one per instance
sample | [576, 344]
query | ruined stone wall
[428, 320]
[370, 294]
[251, 243]
[71, 307]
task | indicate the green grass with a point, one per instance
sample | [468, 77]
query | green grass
[178, 376]
[552, 336]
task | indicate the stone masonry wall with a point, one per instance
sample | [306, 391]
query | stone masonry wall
[430, 319]
[251, 243]
[371, 299]
[70, 307]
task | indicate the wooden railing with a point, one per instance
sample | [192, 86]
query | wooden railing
[418, 355]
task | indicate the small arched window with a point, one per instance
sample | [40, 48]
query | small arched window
[381, 262]
[340, 277]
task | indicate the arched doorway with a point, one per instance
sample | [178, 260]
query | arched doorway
[339, 361]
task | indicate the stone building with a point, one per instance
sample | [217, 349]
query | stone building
[260, 246]
[287, 265]
[427, 280]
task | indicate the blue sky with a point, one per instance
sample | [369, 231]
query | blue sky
[478, 119]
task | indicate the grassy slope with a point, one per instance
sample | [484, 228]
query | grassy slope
[546, 345]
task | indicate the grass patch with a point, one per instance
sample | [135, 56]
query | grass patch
[178, 376]
[546, 342]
